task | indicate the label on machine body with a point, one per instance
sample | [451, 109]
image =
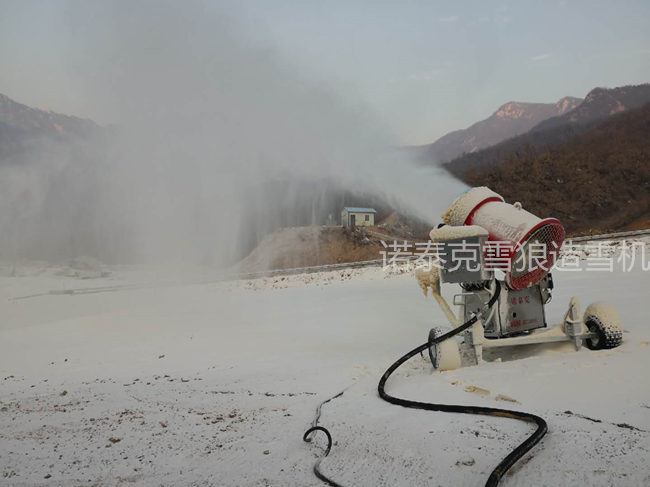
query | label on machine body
[517, 311]
[522, 310]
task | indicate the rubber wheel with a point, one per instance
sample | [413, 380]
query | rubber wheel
[603, 321]
[433, 349]
[444, 355]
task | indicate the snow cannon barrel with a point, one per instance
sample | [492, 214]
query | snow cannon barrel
[527, 245]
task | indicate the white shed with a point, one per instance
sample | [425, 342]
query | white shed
[353, 215]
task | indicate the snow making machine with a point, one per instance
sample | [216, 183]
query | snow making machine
[485, 244]
[501, 256]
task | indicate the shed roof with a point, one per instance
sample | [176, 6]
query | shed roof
[358, 209]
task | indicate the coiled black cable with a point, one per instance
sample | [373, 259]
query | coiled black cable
[506, 463]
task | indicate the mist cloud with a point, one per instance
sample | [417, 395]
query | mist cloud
[206, 120]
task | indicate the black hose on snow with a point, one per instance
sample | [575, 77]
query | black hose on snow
[317, 472]
[505, 464]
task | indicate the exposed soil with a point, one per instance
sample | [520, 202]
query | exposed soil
[317, 245]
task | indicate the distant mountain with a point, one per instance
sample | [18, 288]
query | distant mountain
[511, 119]
[23, 127]
[597, 181]
[598, 105]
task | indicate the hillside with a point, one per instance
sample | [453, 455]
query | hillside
[308, 246]
[509, 120]
[317, 245]
[598, 181]
[598, 105]
[24, 129]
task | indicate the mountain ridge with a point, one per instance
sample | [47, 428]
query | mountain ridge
[510, 119]
[23, 127]
[598, 105]
[601, 103]
[24, 117]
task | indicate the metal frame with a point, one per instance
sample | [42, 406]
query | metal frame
[572, 329]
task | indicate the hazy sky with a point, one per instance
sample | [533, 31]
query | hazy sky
[423, 67]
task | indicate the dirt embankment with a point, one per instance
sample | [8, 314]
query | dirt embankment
[316, 245]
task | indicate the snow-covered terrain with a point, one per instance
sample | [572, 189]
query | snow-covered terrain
[214, 384]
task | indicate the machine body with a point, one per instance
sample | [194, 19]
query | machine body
[474, 223]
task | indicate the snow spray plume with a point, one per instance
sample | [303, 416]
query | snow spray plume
[205, 119]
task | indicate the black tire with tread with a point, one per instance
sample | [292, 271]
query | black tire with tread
[433, 350]
[608, 336]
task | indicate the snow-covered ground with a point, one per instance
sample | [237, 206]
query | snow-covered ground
[214, 384]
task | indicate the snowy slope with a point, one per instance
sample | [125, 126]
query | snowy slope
[214, 384]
